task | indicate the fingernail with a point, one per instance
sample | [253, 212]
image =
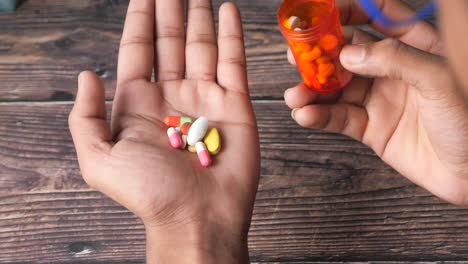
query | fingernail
[354, 54]
[285, 95]
[293, 113]
[79, 80]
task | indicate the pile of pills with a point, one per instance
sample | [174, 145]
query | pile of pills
[195, 136]
[315, 58]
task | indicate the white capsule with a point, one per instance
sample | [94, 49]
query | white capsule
[197, 131]
[298, 29]
[294, 22]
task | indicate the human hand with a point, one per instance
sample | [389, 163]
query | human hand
[410, 110]
[203, 212]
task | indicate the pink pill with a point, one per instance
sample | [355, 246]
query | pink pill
[203, 155]
[174, 138]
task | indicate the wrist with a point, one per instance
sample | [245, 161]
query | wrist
[195, 243]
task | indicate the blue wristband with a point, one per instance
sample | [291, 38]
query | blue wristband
[376, 14]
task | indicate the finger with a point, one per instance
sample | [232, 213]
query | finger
[170, 40]
[352, 14]
[136, 47]
[346, 119]
[201, 50]
[299, 96]
[88, 126]
[232, 73]
[392, 59]
[352, 35]
[356, 92]
[453, 21]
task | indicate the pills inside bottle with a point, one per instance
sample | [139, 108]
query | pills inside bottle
[315, 36]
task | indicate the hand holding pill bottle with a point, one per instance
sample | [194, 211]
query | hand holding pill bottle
[315, 36]
[408, 100]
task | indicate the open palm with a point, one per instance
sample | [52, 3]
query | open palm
[410, 114]
[133, 162]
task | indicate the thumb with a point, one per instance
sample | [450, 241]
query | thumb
[87, 121]
[392, 59]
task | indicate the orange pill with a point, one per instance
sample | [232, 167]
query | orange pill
[302, 46]
[172, 121]
[326, 70]
[328, 43]
[323, 60]
[309, 69]
[316, 21]
[322, 79]
[308, 72]
[176, 121]
[185, 128]
[316, 84]
[314, 54]
[313, 82]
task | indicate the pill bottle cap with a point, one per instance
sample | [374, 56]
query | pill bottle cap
[313, 32]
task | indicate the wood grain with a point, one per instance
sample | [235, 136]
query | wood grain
[46, 43]
[322, 197]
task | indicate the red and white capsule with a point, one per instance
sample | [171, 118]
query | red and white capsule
[174, 138]
[203, 154]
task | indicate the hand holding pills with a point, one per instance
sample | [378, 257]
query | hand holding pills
[200, 102]
[206, 141]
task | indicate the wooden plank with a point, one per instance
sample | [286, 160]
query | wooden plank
[46, 43]
[365, 262]
[322, 197]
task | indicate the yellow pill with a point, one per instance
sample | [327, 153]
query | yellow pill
[312, 55]
[326, 70]
[212, 141]
[191, 149]
[316, 21]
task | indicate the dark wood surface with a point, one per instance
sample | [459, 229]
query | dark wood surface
[322, 197]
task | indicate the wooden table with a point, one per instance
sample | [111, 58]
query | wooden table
[322, 197]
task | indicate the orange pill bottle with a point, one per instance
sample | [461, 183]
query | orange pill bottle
[315, 36]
